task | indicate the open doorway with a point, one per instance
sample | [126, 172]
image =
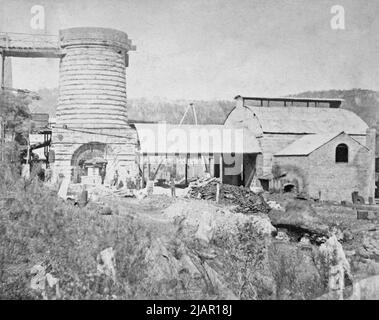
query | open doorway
[289, 188]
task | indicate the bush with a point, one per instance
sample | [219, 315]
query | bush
[245, 259]
[298, 274]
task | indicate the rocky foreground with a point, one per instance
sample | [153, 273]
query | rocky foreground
[210, 233]
[289, 225]
[158, 247]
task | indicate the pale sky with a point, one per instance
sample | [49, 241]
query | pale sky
[216, 49]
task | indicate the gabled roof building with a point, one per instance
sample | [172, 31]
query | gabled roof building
[309, 145]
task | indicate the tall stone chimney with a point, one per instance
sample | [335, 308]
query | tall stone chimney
[92, 122]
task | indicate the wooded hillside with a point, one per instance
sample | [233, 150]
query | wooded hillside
[365, 103]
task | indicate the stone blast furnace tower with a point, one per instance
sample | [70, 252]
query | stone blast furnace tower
[92, 129]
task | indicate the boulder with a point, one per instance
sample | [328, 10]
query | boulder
[38, 281]
[305, 240]
[363, 289]
[299, 215]
[218, 283]
[25, 173]
[366, 289]
[206, 227]
[187, 265]
[333, 250]
[62, 192]
[368, 267]
[263, 225]
[140, 194]
[370, 244]
[163, 264]
[274, 205]
[106, 263]
[348, 235]
[282, 236]
[42, 279]
[338, 266]
[337, 232]
[257, 190]
[106, 211]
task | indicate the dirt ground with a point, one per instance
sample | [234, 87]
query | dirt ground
[148, 211]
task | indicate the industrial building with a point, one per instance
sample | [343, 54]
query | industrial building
[309, 145]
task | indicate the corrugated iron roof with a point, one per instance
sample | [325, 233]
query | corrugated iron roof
[289, 99]
[300, 120]
[164, 138]
[309, 143]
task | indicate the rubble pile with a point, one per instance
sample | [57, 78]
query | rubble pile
[246, 201]
[299, 218]
[205, 218]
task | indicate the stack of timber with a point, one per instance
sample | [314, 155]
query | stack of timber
[245, 200]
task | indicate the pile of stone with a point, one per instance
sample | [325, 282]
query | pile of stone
[245, 200]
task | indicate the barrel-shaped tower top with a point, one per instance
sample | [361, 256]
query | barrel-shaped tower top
[91, 35]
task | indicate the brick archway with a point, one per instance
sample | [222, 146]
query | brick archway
[85, 152]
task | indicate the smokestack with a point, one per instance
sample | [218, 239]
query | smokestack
[92, 119]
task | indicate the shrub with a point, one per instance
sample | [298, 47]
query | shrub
[245, 259]
[298, 274]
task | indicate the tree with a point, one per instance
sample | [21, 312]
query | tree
[16, 118]
[14, 109]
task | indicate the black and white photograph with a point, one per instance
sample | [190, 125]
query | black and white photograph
[202, 151]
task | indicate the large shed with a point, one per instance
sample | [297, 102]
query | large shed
[200, 146]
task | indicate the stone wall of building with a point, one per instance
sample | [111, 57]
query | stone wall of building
[117, 150]
[333, 181]
[270, 144]
[337, 181]
[296, 170]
